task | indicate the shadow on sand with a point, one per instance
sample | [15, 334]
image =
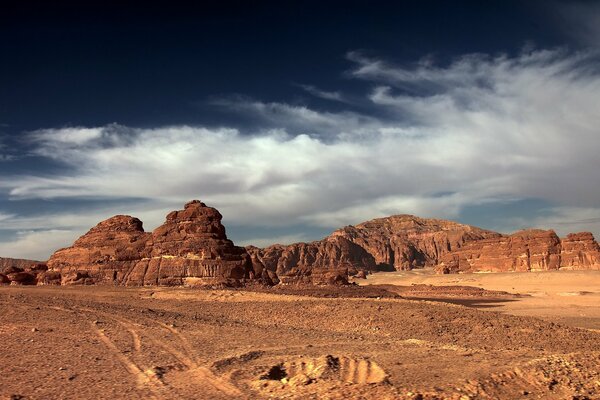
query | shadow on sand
[474, 303]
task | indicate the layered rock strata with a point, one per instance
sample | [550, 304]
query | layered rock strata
[190, 248]
[6, 263]
[580, 251]
[404, 242]
[527, 250]
[327, 261]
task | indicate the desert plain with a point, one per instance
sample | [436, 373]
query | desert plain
[396, 335]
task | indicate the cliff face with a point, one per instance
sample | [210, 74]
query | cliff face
[397, 242]
[580, 251]
[404, 242]
[191, 247]
[330, 260]
[528, 250]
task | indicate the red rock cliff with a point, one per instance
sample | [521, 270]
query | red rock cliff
[191, 247]
[528, 250]
[330, 260]
[580, 251]
[404, 242]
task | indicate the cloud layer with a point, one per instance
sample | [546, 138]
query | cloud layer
[425, 139]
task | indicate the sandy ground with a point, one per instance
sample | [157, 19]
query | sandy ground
[569, 297]
[173, 343]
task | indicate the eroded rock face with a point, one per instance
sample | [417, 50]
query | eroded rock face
[580, 251]
[404, 242]
[6, 263]
[20, 272]
[527, 250]
[191, 247]
[106, 254]
[328, 261]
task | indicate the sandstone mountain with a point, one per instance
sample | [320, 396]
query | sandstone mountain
[404, 242]
[579, 251]
[330, 260]
[400, 242]
[527, 250]
[190, 248]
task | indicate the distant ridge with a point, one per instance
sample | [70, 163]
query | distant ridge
[192, 249]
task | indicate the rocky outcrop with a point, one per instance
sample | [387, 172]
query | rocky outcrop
[29, 275]
[580, 251]
[105, 254]
[528, 250]
[190, 248]
[6, 263]
[327, 261]
[404, 242]
[397, 242]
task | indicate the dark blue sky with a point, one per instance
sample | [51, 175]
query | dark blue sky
[294, 118]
[154, 64]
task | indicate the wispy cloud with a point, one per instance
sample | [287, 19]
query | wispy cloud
[323, 94]
[481, 129]
[578, 19]
[34, 245]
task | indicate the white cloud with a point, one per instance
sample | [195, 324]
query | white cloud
[481, 128]
[72, 136]
[36, 245]
[566, 220]
[4, 216]
[323, 94]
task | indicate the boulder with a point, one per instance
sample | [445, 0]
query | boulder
[22, 278]
[362, 274]
[49, 278]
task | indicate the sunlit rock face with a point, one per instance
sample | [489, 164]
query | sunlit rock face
[528, 250]
[190, 248]
[580, 251]
[404, 242]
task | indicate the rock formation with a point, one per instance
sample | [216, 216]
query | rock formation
[527, 250]
[106, 254]
[190, 248]
[16, 271]
[6, 263]
[404, 242]
[29, 275]
[396, 242]
[580, 251]
[330, 260]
